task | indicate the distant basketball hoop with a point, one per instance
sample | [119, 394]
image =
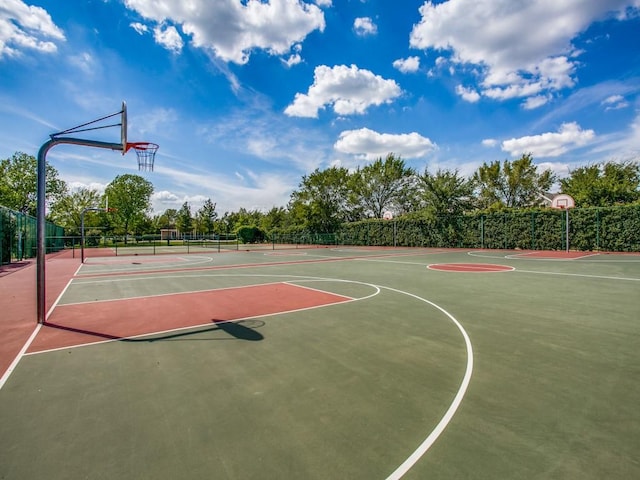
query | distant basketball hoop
[146, 153]
[387, 215]
[563, 201]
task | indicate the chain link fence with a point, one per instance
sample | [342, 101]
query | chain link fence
[18, 236]
[612, 229]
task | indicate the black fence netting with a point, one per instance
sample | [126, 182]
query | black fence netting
[18, 236]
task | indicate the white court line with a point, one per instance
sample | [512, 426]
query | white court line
[93, 269]
[31, 338]
[532, 254]
[442, 424]
[417, 454]
[522, 256]
[318, 290]
[163, 332]
[21, 354]
[583, 275]
[156, 295]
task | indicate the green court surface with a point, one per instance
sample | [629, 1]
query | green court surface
[333, 363]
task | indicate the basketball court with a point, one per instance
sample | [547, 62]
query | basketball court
[323, 363]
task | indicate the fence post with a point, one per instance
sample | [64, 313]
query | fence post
[598, 229]
[533, 230]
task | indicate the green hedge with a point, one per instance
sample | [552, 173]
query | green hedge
[615, 229]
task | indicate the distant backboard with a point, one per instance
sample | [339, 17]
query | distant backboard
[123, 128]
[563, 201]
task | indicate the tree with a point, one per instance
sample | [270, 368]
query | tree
[166, 220]
[321, 202]
[513, 184]
[275, 219]
[207, 216]
[184, 222]
[603, 184]
[447, 192]
[382, 185]
[67, 211]
[130, 196]
[19, 183]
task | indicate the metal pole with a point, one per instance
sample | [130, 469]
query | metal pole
[82, 236]
[40, 231]
[41, 299]
[567, 226]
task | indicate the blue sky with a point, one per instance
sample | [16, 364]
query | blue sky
[246, 97]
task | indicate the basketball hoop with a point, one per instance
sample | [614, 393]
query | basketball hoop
[563, 201]
[146, 153]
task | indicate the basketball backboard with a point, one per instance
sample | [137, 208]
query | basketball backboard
[563, 201]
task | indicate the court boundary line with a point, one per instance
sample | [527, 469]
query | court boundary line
[22, 353]
[583, 275]
[533, 255]
[522, 256]
[164, 294]
[326, 259]
[468, 268]
[440, 427]
[318, 290]
[178, 329]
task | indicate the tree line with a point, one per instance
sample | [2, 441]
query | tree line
[324, 199]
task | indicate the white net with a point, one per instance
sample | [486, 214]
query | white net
[146, 153]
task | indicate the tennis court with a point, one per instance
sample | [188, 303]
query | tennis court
[324, 363]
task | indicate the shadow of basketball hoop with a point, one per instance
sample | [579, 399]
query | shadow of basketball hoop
[240, 330]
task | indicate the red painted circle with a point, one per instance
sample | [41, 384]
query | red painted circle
[470, 267]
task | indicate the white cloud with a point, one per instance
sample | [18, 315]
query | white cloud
[364, 26]
[324, 3]
[231, 29]
[535, 102]
[293, 60]
[615, 102]
[611, 99]
[407, 65]
[349, 90]
[165, 197]
[265, 190]
[76, 185]
[270, 136]
[468, 94]
[370, 145]
[560, 169]
[168, 37]
[152, 121]
[550, 144]
[25, 27]
[85, 62]
[139, 27]
[295, 57]
[494, 34]
[623, 144]
[489, 142]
